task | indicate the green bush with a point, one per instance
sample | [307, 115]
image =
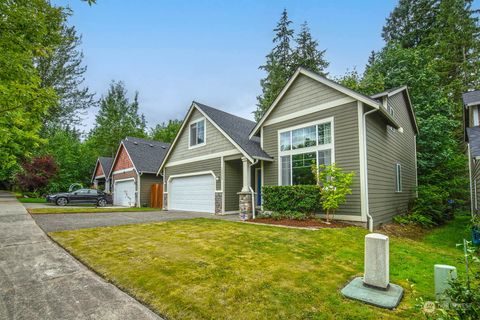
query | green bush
[300, 198]
[292, 215]
[432, 204]
[415, 218]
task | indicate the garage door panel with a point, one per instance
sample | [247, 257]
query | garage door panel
[193, 193]
[124, 193]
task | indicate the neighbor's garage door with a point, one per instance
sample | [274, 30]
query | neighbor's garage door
[195, 193]
[124, 193]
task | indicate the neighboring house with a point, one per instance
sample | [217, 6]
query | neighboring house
[218, 161]
[101, 178]
[134, 171]
[471, 102]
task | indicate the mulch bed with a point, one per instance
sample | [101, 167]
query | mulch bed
[309, 223]
[405, 231]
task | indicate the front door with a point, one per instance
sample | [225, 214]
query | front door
[258, 185]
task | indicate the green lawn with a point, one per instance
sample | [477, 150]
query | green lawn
[203, 268]
[32, 200]
[85, 210]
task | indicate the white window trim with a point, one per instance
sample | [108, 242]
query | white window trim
[204, 133]
[315, 149]
[475, 115]
[398, 178]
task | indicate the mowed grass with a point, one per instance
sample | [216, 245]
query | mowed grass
[32, 200]
[86, 210]
[201, 268]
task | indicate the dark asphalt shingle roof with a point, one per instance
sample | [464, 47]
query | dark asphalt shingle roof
[236, 128]
[471, 98]
[106, 163]
[147, 155]
[474, 140]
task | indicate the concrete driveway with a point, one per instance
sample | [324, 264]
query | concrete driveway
[72, 221]
[40, 280]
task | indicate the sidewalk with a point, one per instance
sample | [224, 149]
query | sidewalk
[39, 280]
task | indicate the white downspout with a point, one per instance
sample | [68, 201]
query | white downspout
[367, 206]
[470, 178]
[252, 191]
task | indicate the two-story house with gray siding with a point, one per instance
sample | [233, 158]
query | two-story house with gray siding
[219, 162]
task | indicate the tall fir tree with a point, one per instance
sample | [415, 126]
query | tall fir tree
[284, 59]
[64, 71]
[278, 66]
[116, 119]
[307, 54]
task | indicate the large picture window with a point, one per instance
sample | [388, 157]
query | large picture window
[197, 133]
[302, 147]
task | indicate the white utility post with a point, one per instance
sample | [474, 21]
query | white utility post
[377, 273]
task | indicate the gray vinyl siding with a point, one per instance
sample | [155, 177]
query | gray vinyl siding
[233, 184]
[204, 165]
[304, 93]
[146, 181]
[215, 141]
[475, 184]
[384, 150]
[346, 147]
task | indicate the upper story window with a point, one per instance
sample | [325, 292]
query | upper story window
[300, 148]
[197, 133]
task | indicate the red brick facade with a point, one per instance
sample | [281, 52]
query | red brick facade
[122, 161]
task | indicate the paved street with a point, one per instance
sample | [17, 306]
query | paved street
[39, 280]
[60, 222]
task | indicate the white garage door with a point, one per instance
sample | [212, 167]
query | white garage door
[124, 193]
[194, 193]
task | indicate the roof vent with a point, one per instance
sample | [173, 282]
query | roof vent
[151, 145]
[135, 142]
[163, 147]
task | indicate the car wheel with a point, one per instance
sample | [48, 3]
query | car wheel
[102, 203]
[61, 201]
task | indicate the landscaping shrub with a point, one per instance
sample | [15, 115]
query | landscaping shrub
[432, 204]
[292, 215]
[415, 218]
[300, 198]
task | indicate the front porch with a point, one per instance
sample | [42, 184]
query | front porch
[242, 180]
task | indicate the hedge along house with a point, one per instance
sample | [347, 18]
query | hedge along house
[100, 177]
[134, 171]
[471, 111]
[218, 162]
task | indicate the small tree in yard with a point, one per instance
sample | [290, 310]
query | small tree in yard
[335, 186]
[37, 173]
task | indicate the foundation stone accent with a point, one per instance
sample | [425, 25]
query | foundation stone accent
[165, 201]
[218, 202]
[245, 203]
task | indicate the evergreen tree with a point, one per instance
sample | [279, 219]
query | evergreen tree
[116, 119]
[410, 22]
[278, 66]
[63, 71]
[166, 132]
[284, 59]
[307, 54]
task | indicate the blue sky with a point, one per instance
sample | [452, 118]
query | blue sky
[174, 52]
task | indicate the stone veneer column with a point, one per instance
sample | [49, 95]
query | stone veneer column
[245, 202]
[165, 201]
[218, 202]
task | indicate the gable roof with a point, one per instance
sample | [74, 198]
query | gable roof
[106, 163]
[146, 155]
[473, 135]
[471, 98]
[394, 91]
[317, 77]
[234, 128]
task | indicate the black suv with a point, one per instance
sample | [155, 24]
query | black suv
[92, 196]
